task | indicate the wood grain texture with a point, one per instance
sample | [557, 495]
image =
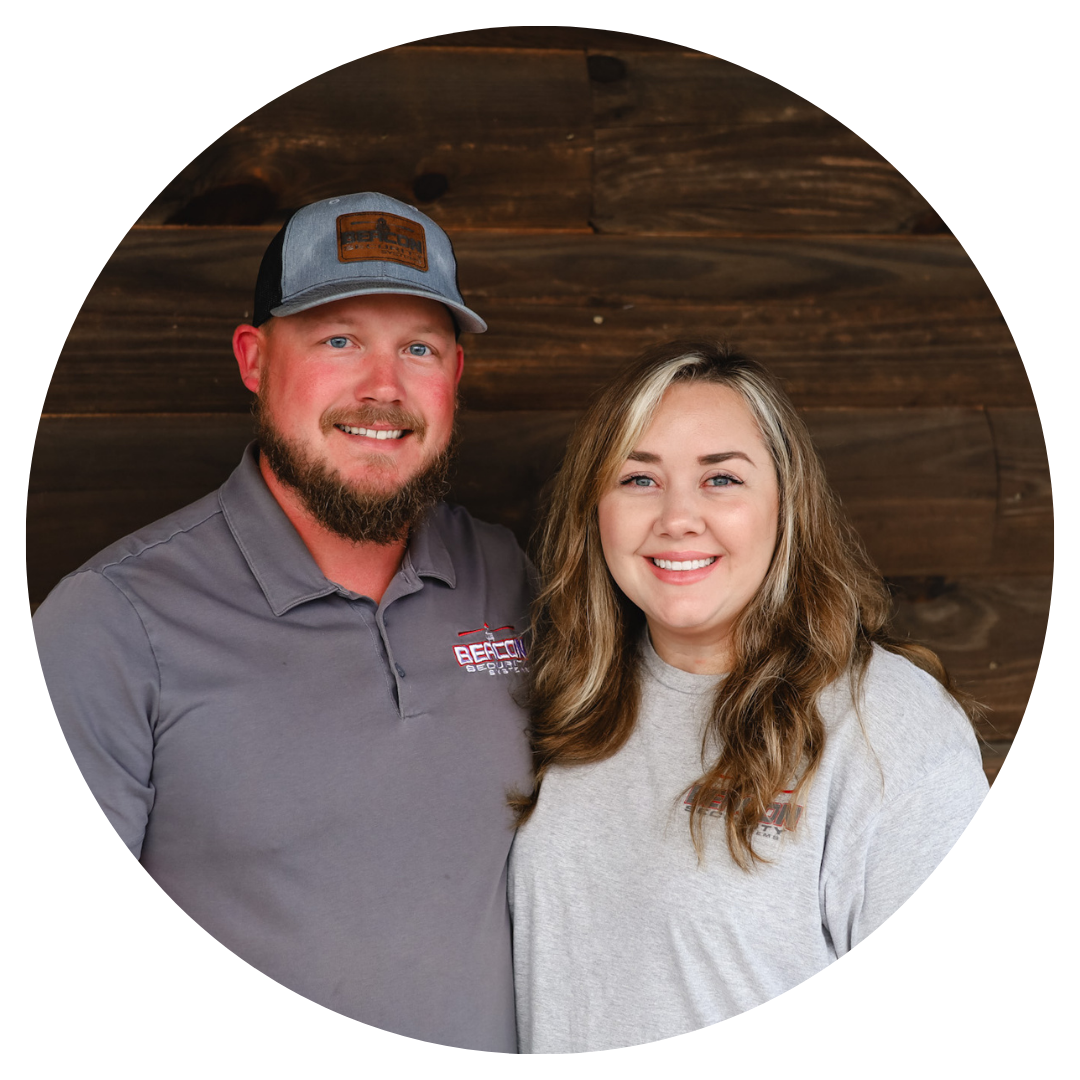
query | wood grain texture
[548, 37]
[918, 485]
[770, 177]
[988, 631]
[855, 321]
[635, 88]
[1024, 530]
[506, 138]
[508, 132]
[993, 757]
[696, 144]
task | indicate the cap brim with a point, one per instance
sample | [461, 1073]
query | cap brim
[325, 294]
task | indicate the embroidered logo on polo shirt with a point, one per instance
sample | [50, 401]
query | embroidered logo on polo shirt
[385, 237]
[491, 653]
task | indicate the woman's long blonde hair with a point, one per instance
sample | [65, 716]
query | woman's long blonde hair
[814, 619]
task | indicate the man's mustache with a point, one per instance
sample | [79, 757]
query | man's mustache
[370, 415]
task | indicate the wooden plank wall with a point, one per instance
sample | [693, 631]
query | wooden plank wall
[603, 192]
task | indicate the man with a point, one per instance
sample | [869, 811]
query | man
[292, 698]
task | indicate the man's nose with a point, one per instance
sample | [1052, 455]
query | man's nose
[379, 377]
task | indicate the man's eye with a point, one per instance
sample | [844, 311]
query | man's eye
[337, 342]
[419, 350]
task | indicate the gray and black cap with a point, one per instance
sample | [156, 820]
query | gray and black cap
[358, 244]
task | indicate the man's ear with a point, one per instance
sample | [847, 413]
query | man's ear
[249, 348]
[460, 364]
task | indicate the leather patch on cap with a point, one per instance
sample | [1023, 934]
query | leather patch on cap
[385, 237]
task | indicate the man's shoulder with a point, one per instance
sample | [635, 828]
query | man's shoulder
[153, 541]
[459, 528]
[108, 588]
[468, 538]
[478, 551]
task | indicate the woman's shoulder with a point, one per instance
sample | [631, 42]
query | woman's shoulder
[910, 722]
[897, 679]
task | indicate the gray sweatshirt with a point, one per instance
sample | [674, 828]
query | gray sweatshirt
[621, 937]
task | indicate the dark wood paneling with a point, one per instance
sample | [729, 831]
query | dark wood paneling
[154, 332]
[506, 458]
[549, 37]
[138, 454]
[648, 88]
[993, 757]
[871, 321]
[774, 177]
[988, 631]
[693, 143]
[1025, 514]
[503, 138]
[918, 484]
[95, 479]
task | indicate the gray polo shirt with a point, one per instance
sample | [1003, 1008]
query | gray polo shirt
[318, 780]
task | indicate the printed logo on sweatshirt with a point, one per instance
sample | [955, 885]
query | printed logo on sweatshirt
[490, 653]
[781, 816]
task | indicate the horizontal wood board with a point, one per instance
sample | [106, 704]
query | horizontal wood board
[513, 146]
[547, 37]
[508, 132]
[846, 321]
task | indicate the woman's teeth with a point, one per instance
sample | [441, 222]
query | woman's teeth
[692, 564]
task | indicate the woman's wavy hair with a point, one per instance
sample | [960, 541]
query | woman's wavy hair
[815, 618]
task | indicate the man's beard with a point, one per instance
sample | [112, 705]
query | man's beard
[352, 511]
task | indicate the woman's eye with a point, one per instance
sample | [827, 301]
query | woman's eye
[722, 481]
[636, 481]
[337, 342]
[419, 350]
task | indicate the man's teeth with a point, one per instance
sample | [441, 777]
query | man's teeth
[371, 433]
[692, 564]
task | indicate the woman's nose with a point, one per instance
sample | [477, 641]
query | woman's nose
[680, 514]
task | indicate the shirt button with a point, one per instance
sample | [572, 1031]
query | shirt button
[400, 670]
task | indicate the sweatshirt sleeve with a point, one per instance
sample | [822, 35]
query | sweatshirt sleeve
[102, 676]
[899, 848]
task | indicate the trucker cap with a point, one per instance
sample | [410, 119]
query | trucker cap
[357, 244]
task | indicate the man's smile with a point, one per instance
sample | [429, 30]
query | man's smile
[374, 433]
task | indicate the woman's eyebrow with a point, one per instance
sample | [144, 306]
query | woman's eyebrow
[648, 458]
[715, 459]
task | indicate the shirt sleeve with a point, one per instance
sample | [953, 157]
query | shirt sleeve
[899, 849]
[102, 676]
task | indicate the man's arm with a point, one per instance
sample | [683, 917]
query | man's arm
[103, 678]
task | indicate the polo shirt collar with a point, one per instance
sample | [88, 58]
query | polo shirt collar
[427, 554]
[279, 559]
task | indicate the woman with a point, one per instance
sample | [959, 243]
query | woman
[739, 774]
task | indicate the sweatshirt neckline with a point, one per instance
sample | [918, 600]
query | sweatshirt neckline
[685, 682]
